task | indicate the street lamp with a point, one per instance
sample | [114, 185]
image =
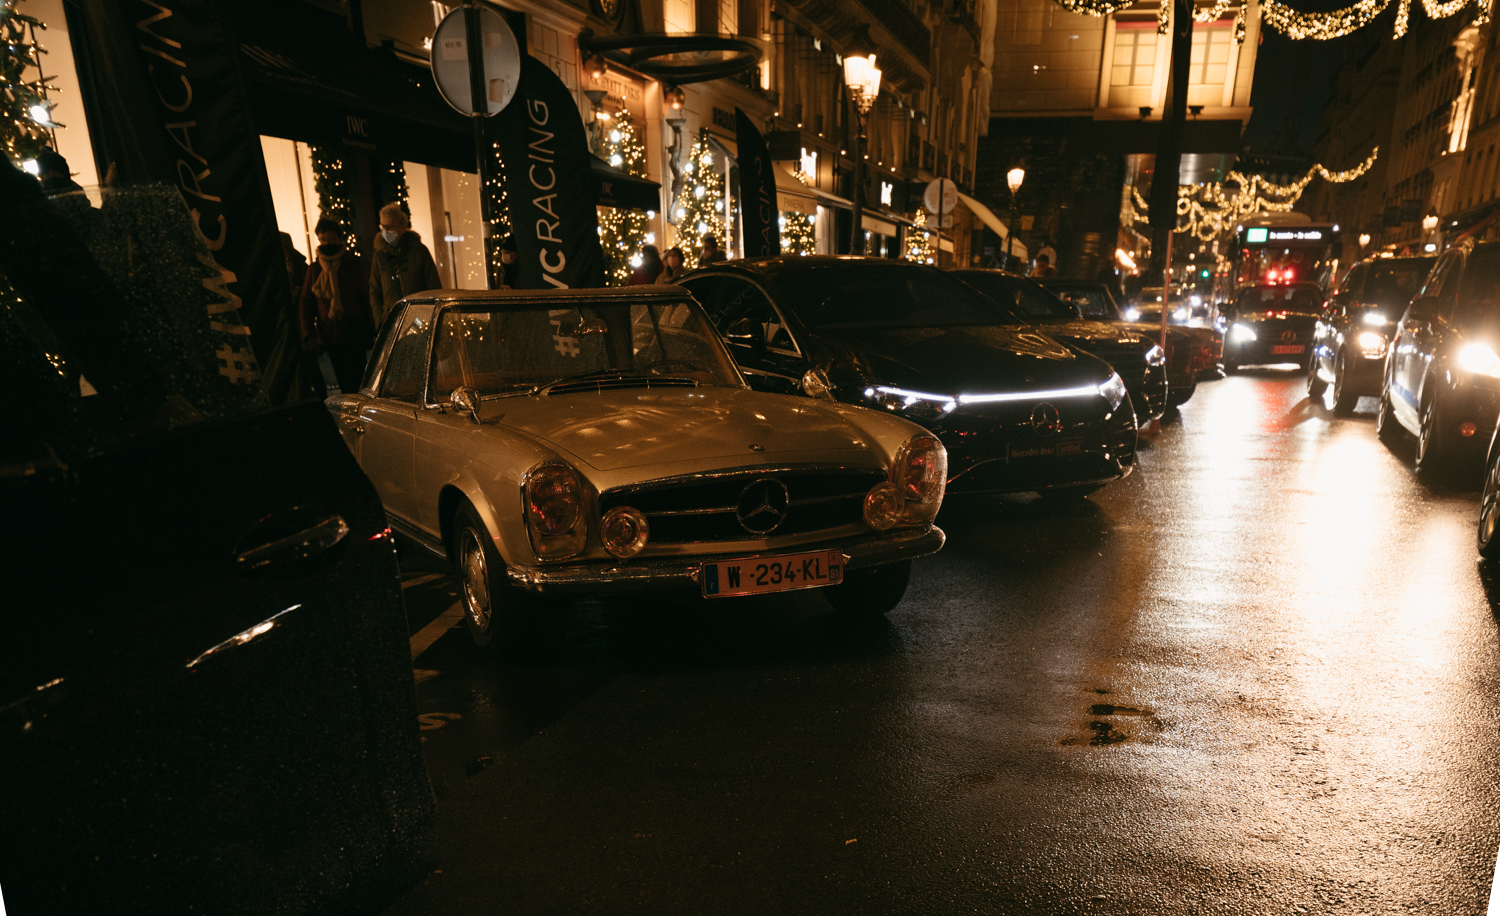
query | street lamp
[1013, 178]
[1364, 240]
[863, 80]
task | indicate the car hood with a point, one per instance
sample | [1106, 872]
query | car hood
[964, 360]
[1260, 316]
[1087, 333]
[634, 427]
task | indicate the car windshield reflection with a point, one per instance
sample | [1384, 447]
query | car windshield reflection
[853, 296]
[520, 350]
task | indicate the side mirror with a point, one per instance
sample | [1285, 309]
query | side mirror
[1423, 308]
[815, 384]
[467, 401]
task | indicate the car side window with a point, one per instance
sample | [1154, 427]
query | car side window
[1442, 283]
[377, 354]
[406, 366]
[743, 313]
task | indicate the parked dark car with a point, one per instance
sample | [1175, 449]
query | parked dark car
[1355, 328]
[1442, 377]
[206, 698]
[1017, 410]
[1192, 353]
[1138, 359]
[1271, 323]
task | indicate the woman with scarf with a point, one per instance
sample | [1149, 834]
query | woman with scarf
[334, 307]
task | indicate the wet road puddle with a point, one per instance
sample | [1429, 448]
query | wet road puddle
[1106, 730]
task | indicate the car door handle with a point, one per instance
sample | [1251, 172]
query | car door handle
[351, 422]
[318, 537]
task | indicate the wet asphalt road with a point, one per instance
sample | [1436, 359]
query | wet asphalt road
[1258, 676]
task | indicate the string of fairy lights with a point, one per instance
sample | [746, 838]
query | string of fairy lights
[1291, 22]
[701, 206]
[622, 232]
[331, 184]
[495, 212]
[1212, 211]
[25, 112]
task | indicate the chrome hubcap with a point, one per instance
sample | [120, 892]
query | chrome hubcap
[476, 581]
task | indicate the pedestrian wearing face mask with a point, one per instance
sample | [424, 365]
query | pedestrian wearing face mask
[333, 307]
[510, 263]
[403, 265]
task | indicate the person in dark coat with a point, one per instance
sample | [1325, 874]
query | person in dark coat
[710, 253]
[650, 268]
[671, 266]
[334, 307]
[510, 262]
[403, 265]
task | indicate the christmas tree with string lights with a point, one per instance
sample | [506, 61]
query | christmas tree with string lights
[919, 239]
[25, 113]
[496, 213]
[797, 235]
[331, 183]
[699, 209]
[622, 232]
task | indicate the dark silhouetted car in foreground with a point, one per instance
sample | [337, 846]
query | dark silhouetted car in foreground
[1017, 410]
[1442, 377]
[1192, 353]
[1271, 323]
[1138, 359]
[206, 698]
[1356, 326]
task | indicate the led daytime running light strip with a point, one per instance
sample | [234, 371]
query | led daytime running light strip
[913, 396]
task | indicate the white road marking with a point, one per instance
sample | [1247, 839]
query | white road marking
[1494, 909]
[429, 634]
[422, 580]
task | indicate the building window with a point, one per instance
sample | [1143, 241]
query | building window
[1135, 57]
[1210, 56]
[678, 16]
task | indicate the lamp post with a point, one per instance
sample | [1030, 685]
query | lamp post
[863, 81]
[1013, 178]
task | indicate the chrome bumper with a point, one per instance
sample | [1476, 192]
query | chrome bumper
[615, 578]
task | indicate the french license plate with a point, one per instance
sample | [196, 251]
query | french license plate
[758, 575]
[1278, 349]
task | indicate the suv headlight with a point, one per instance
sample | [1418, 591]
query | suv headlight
[914, 493]
[1479, 359]
[917, 404]
[1241, 333]
[552, 499]
[1371, 343]
[1112, 390]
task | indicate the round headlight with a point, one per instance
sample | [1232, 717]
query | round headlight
[624, 531]
[884, 506]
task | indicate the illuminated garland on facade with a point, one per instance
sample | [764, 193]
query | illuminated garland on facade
[1294, 23]
[622, 232]
[1207, 213]
[334, 200]
[699, 209]
[25, 135]
[495, 211]
[919, 246]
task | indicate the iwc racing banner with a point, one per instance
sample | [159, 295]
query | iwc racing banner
[757, 190]
[548, 181]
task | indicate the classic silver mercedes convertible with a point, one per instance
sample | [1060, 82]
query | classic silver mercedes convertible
[602, 441]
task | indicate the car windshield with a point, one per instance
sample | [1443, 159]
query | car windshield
[1021, 297]
[1091, 301]
[1479, 300]
[1281, 299]
[521, 349]
[1395, 282]
[858, 295]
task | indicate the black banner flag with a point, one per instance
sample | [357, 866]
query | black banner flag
[165, 83]
[757, 190]
[552, 198]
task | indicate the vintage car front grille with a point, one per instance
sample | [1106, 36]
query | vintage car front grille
[703, 508]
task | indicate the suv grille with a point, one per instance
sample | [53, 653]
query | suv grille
[696, 509]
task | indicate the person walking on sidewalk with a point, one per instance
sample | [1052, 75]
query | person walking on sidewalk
[403, 265]
[333, 307]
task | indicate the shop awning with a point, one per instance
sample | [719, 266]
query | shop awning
[874, 222]
[619, 189]
[311, 80]
[792, 195]
[988, 217]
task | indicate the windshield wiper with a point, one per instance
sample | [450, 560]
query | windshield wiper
[582, 377]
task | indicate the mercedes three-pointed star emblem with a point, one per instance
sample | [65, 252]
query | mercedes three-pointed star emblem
[763, 506]
[1045, 419]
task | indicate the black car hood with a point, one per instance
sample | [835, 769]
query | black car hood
[1260, 316]
[962, 360]
[1088, 333]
